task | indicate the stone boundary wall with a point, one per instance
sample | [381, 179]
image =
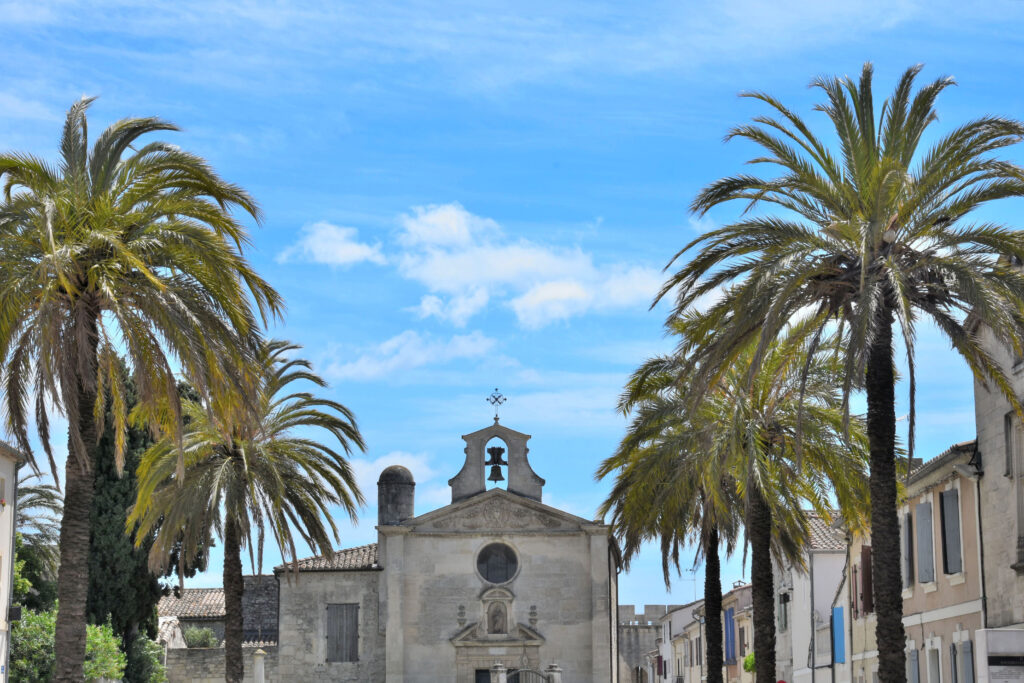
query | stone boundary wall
[206, 665]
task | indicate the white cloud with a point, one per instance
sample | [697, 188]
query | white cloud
[457, 310]
[444, 225]
[410, 350]
[465, 262]
[334, 245]
[368, 471]
[551, 301]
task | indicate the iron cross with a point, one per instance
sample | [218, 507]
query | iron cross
[496, 399]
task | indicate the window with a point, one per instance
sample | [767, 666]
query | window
[954, 678]
[925, 546]
[1008, 442]
[343, 633]
[497, 563]
[700, 652]
[838, 636]
[743, 642]
[783, 611]
[867, 596]
[855, 586]
[952, 561]
[730, 635]
[907, 532]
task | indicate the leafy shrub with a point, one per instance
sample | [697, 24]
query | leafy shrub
[201, 637]
[32, 655]
[103, 656]
[748, 663]
[32, 649]
[145, 662]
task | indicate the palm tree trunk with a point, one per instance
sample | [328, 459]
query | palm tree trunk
[763, 586]
[73, 573]
[885, 534]
[233, 587]
[713, 609]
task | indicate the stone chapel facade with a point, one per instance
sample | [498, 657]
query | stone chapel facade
[497, 576]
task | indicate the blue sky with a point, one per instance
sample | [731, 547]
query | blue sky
[460, 196]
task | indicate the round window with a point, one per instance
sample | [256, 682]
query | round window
[497, 563]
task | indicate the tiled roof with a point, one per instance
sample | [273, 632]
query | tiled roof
[349, 559]
[194, 603]
[941, 459]
[823, 536]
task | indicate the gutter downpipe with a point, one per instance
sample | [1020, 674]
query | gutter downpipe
[978, 474]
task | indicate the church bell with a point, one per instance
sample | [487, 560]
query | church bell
[496, 461]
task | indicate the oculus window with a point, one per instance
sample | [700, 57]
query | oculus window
[497, 563]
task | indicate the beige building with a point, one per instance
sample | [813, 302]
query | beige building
[1000, 644]
[10, 459]
[496, 577]
[943, 605]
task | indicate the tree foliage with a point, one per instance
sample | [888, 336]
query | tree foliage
[33, 656]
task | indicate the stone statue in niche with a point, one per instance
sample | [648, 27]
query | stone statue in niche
[497, 619]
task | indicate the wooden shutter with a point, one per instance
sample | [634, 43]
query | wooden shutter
[867, 600]
[343, 633]
[953, 663]
[925, 545]
[913, 668]
[908, 550]
[952, 561]
[856, 592]
[967, 662]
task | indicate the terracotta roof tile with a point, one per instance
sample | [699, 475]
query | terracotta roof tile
[823, 536]
[349, 559]
[194, 603]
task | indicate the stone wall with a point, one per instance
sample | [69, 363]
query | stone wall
[259, 608]
[303, 623]
[206, 665]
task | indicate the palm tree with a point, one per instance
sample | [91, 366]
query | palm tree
[668, 488]
[750, 424]
[878, 233]
[124, 246]
[247, 472]
[783, 431]
[39, 508]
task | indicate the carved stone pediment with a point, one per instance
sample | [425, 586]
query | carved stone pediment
[497, 511]
[475, 635]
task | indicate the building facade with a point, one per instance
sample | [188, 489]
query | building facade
[495, 577]
[10, 459]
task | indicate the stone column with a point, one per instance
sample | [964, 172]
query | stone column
[258, 671]
[395, 636]
[499, 674]
[600, 610]
[554, 673]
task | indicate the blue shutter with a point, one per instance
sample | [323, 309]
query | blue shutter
[914, 670]
[967, 662]
[925, 546]
[730, 634]
[838, 636]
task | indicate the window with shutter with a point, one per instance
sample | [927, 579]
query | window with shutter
[730, 635]
[1008, 429]
[855, 585]
[343, 633]
[925, 545]
[867, 602]
[913, 668]
[966, 662]
[838, 636]
[952, 663]
[907, 529]
[952, 562]
[743, 642]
